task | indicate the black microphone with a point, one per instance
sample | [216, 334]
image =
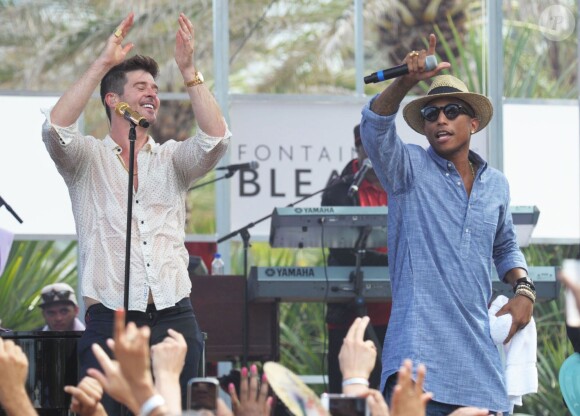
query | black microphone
[358, 178]
[131, 115]
[398, 71]
[240, 166]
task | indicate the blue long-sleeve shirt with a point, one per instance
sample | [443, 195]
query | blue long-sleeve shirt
[442, 243]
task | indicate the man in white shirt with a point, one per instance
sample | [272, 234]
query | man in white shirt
[96, 174]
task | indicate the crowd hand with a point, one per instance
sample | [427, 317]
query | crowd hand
[112, 379]
[168, 359]
[521, 308]
[184, 44]
[86, 398]
[222, 408]
[14, 370]
[253, 400]
[376, 403]
[168, 356]
[470, 411]
[408, 396]
[114, 52]
[415, 61]
[357, 357]
[570, 284]
[131, 349]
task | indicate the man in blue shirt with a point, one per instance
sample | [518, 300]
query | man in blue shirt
[448, 220]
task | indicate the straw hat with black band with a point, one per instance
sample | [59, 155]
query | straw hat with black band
[444, 86]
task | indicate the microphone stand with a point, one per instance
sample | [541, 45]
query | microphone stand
[10, 210]
[356, 276]
[131, 169]
[230, 173]
[245, 235]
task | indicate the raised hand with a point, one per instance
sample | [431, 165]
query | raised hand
[408, 397]
[376, 403]
[415, 61]
[184, 44]
[168, 358]
[253, 400]
[112, 379]
[86, 398]
[114, 52]
[357, 357]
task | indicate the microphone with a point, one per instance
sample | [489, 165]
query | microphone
[398, 71]
[358, 178]
[131, 115]
[240, 166]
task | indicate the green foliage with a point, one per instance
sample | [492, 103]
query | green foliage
[31, 266]
[553, 349]
[303, 338]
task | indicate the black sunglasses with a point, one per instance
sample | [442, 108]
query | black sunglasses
[451, 111]
[56, 294]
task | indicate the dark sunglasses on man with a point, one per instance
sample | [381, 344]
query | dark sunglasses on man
[55, 295]
[451, 111]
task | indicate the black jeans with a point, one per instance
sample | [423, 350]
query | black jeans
[100, 321]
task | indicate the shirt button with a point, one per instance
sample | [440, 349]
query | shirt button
[136, 201]
[142, 222]
[467, 230]
[459, 183]
[144, 242]
[147, 264]
[447, 174]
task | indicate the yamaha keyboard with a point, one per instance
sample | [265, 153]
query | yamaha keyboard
[341, 226]
[334, 227]
[310, 284]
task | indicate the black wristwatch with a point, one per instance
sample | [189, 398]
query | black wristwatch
[525, 281]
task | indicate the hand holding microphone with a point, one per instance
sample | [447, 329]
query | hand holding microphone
[398, 71]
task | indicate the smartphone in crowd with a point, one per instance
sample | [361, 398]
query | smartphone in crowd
[202, 393]
[344, 405]
[572, 268]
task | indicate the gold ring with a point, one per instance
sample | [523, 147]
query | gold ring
[414, 53]
[118, 33]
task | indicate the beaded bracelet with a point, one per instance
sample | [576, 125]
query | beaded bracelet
[527, 293]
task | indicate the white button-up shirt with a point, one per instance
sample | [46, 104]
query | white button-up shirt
[98, 183]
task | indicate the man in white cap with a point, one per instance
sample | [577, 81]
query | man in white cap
[59, 308]
[448, 220]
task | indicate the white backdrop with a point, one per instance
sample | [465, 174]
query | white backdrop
[29, 181]
[298, 142]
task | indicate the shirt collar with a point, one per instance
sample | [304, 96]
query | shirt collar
[444, 163]
[150, 146]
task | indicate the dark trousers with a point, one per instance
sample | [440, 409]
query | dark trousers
[433, 408]
[335, 339]
[100, 321]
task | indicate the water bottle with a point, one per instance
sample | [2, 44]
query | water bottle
[217, 265]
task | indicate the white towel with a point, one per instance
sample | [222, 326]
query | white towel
[521, 373]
